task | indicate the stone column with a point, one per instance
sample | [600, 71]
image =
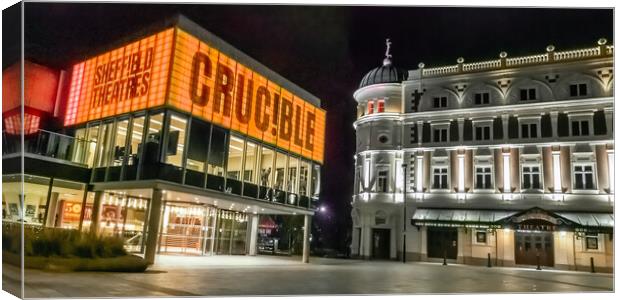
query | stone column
[253, 234]
[419, 180]
[557, 175]
[461, 157]
[554, 124]
[420, 133]
[96, 213]
[609, 122]
[506, 165]
[610, 169]
[505, 126]
[306, 250]
[52, 207]
[153, 226]
[461, 123]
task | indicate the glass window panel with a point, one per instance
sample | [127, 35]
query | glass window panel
[217, 151]
[235, 158]
[153, 138]
[249, 170]
[119, 149]
[176, 139]
[198, 145]
[314, 183]
[303, 178]
[279, 182]
[93, 138]
[266, 164]
[135, 143]
[105, 146]
[292, 174]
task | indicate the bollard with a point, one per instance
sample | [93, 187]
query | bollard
[445, 263]
[592, 265]
[538, 262]
[488, 260]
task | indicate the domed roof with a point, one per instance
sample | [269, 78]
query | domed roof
[384, 74]
[387, 73]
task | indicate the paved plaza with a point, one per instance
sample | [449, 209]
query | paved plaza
[265, 275]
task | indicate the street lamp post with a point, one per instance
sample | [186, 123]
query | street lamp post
[404, 213]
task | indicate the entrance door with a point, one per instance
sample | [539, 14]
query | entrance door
[442, 240]
[529, 245]
[187, 229]
[380, 243]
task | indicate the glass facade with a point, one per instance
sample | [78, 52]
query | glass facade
[196, 153]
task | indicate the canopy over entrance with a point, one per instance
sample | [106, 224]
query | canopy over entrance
[533, 219]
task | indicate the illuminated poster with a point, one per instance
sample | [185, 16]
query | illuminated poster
[176, 69]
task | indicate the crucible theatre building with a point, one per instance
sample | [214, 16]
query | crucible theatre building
[504, 162]
[172, 139]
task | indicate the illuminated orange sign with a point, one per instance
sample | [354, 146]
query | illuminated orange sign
[199, 80]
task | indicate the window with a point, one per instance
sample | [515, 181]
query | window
[577, 90]
[198, 145]
[592, 242]
[580, 128]
[303, 178]
[371, 107]
[119, 150]
[382, 181]
[531, 177]
[481, 237]
[292, 174]
[483, 178]
[176, 140]
[440, 178]
[266, 164]
[93, 138]
[527, 94]
[135, 141]
[439, 102]
[249, 168]
[529, 130]
[440, 135]
[314, 180]
[483, 133]
[281, 162]
[235, 158]
[481, 98]
[217, 151]
[584, 177]
[380, 106]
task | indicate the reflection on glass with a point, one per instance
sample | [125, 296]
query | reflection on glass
[124, 216]
[32, 211]
[280, 167]
[198, 145]
[119, 150]
[235, 158]
[266, 163]
[217, 151]
[136, 140]
[105, 146]
[153, 138]
[292, 175]
[303, 178]
[176, 140]
[316, 176]
[93, 136]
[249, 170]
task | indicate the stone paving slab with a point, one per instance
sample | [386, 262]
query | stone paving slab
[237, 276]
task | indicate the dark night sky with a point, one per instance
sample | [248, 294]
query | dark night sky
[326, 50]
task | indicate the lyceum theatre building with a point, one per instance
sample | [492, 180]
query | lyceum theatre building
[174, 140]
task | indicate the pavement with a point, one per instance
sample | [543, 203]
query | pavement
[268, 275]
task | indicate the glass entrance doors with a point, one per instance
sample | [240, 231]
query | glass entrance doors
[187, 229]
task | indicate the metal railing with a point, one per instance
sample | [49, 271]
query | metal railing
[49, 144]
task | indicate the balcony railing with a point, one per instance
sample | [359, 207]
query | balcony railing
[49, 144]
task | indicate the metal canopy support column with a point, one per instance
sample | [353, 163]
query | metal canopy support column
[153, 226]
[253, 234]
[306, 252]
[94, 218]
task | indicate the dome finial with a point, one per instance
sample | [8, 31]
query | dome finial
[387, 60]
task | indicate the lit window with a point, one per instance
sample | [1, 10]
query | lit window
[440, 135]
[483, 133]
[527, 94]
[584, 177]
[531, 177]
[592, 242]
[440, 178]
[439, 102]
[481, 237]
[481, 98]
[580, 128]
[577, 90]
[382, 181]
[380, 106]
[483, 178]
[371, 107]
[529, 130]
